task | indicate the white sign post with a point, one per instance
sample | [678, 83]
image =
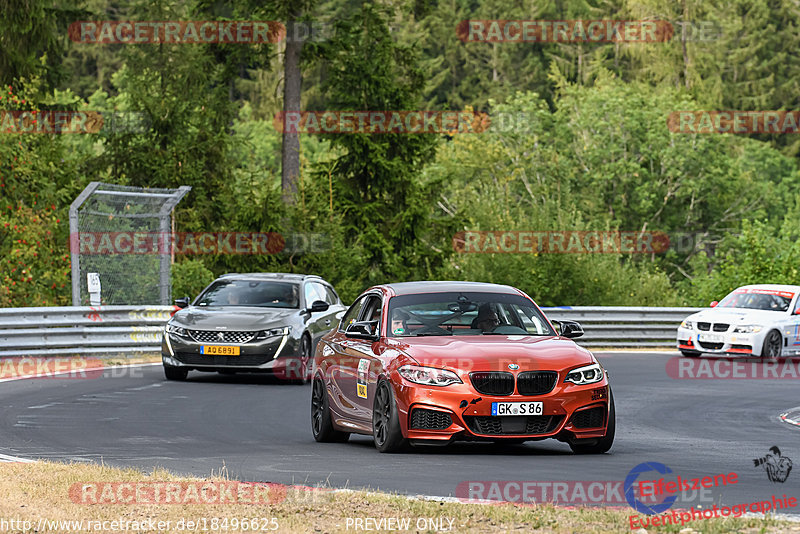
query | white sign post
[93, 283]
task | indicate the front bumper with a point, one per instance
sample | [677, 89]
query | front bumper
[720, 342]
[272, 354]
[569, 412]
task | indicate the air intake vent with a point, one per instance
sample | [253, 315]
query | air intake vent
[493, 383]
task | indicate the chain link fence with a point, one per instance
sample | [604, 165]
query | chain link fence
[107, 268]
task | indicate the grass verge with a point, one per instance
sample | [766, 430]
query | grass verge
[46, 493]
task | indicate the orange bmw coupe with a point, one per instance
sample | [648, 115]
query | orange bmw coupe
[419, 363]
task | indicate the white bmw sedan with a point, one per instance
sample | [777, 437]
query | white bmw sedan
[758, 320]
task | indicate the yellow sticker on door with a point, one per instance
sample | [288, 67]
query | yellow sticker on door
[361, 384]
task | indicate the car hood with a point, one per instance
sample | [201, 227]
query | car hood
[737, 316]
[494, 353]
[231, 318]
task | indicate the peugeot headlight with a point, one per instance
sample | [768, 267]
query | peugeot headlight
[747, 329]
[588, 374]
[274, 332]
[429, 376]
[686, 324]
[177, 330]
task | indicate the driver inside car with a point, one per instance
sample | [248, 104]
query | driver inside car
[399, 322]
[487, 319]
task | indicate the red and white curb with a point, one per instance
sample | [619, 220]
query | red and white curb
[792, 416]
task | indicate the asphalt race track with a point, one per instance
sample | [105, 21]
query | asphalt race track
[258, 428]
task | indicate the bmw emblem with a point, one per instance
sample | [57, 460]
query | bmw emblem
[513, 366]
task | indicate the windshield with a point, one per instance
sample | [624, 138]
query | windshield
[262, 294]
[463, 313]
[758, 299]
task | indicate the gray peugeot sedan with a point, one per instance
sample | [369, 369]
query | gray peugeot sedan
[256, 322]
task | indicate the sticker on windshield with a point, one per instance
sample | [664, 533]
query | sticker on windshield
[759, 291]
[361, 385]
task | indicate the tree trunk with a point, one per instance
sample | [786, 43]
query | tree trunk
[290, 150]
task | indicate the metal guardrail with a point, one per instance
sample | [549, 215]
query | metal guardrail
[82, 330]
[137, 329]
[624, 326]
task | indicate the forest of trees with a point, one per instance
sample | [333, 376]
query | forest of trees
[595, 152]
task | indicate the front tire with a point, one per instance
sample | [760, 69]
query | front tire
[603, 444]
[175, 373]
[306, 362]
[321, 425]
[771, 350]
[385, 421]
[690, 353]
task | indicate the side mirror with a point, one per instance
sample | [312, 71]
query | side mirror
[318, 306]
[714, 303]
[570, 329]
[362, 330]
[182, 302]
[797, 311]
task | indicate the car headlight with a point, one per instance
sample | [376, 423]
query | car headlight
[747, 329]
[588, 374]
[177, 331]
[429, 376]
[274, 332]
[686, 324]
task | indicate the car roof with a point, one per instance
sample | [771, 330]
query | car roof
[777, 287]
[412, 288]
[284, 277]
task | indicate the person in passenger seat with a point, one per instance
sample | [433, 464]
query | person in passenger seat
[375, 315]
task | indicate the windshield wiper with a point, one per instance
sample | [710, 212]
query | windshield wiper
[422, 334]
[514, 334]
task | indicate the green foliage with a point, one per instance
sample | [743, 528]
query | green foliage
[189, 278]
[604, 161]
[383, 206]
[34, 270]
[594, 151]
[759, 255]
[32, 39]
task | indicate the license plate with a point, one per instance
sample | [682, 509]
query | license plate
[712, 338]
[219, 350]
[517, 408]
